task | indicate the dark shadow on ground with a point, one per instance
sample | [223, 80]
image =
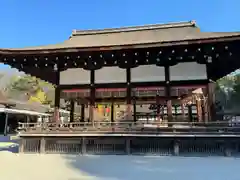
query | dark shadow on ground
[155, 167]
[13, 144]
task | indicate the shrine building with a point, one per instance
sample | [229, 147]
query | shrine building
[162, 72]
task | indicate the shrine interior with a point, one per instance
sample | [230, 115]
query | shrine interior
[189, 103]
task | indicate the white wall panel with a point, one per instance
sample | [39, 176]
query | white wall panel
[188, 71]
[147, 73]
[110, 75]
[75, 76]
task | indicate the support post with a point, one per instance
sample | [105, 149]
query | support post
[21, 145]
[128, 146]
[42, 145]
[211, 101]
[82, 112]
[206, 111]
[91, 113]
[199, 110]
[134, 110]
[190, 115]
[92, 96]
[57, 95]
[203, 109]
[168, 93]
[56, 105]
[169, 110]
[129, 94]
[183, 110]
[6, 129]
[176, 148]
[158, 108]
[112, 111]
[72, 107]
[83, 144]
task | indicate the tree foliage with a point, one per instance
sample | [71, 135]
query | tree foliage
[235, 95]
[35, 90]
[228, 91]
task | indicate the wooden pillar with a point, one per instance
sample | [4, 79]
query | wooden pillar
[91, 112]
[206, 110]
[21, 146]
[92, 96]
[112, 111]
[134, 110]
[176, 148]
[158, 108]
[129, 95]
[211, 101]
[83, 145]
[42, 145]
[199, 110]
[72, 107]
[128, 145]
[210, 95]
[183, 110]
[6, 129]
[82, 112]
[203, 109]
[190, 116]
[169, 110]
[57, 96]
[168, 93]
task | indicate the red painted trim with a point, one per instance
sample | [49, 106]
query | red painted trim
[135, 89]
[110, 89]
[76, 90]
[148, 88]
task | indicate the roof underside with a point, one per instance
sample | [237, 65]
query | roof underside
[160, 35]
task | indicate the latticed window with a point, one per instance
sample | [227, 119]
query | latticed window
[103, 94]
[180, 91]
[76, 94]
[107, 93]
[148, 92]
[119, 93]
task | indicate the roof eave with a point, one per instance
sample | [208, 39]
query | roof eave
[117, 47]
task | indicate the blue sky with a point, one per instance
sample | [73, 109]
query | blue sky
[39, 22]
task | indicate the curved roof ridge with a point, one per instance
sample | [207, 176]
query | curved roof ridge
[135, 28]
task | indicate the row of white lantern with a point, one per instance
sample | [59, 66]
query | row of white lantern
[94, 63]
[123, 54]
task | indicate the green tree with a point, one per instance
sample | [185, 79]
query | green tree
[235, 96]
[224, 91]
[35, 90]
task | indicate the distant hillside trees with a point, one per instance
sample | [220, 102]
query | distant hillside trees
[31, 89]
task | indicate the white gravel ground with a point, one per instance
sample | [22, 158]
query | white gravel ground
[37, 167]
[74, 167]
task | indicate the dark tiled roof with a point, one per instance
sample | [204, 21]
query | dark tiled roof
[161, 34]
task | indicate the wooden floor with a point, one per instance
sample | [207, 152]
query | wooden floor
[173, 129]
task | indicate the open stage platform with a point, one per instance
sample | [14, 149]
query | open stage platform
[163, 73]
[178, 138]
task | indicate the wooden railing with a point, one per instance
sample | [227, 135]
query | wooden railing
[130, 127]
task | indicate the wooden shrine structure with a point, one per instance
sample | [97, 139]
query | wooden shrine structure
[164, 68]
[158, 63]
